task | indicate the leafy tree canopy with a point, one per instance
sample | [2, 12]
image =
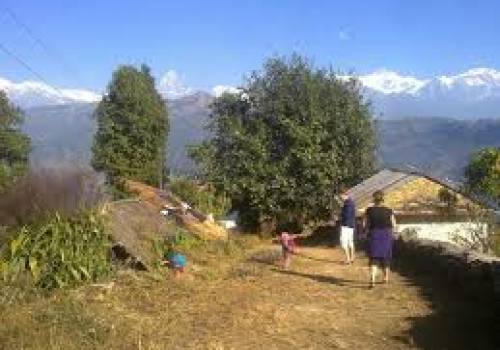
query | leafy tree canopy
[292, 135]
[132, 128]
[483, 172]
[14, 145]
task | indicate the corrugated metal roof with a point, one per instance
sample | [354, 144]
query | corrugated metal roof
[384, 180]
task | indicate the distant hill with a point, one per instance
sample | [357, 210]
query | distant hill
[60, 133]
[440, 146]
[63, 133]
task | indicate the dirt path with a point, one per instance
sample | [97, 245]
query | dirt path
[318, 304]
[321, 303]
[249, 303]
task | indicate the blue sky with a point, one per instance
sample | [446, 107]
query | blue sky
[217, 42]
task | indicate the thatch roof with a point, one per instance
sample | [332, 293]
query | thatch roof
[388, 180]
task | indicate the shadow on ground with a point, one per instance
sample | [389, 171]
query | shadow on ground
[339, 262]
[326, 235]
[271, 257]
[457, 321]
[325, 279]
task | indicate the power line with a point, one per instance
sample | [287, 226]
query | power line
[25, 27]
[27, 66]
[38, 41]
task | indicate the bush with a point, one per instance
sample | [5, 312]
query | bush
[186, 243]
[57, 251]
[482, 232]
[496, 240]
[203, 198]
[449, 199]
[409, 234]
[65, 190]
[179, 240]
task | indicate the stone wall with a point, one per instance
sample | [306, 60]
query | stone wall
[444, 231]
[475, 275]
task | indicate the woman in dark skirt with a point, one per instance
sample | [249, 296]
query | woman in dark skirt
[380, 221]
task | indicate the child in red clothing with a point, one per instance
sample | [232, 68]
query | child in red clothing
[288, 247]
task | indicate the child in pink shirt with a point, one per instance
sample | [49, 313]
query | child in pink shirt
[288, 247]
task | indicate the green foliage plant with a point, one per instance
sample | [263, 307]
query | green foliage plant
[132, 128]
[14, 145]
[482, 175]
[57, 251]
[281, 146]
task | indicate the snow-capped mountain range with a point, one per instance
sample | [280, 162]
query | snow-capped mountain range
[484, 80]
[29, 94]
[474, 93]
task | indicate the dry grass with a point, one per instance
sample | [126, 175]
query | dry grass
[203, 229]
[137, 226]
[421, 192]
[234, 297]
[133, 309]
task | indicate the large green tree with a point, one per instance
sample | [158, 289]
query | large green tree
[14, 145]
[482, 175]
[290, 137]
[132, 130]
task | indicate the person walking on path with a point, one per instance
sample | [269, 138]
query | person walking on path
[380, 222]
[347, 224]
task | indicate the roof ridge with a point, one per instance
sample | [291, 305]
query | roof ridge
[455, 187]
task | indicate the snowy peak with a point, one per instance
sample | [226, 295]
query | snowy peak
[33, 93]
[389, 82]
[474, 93]
[473, 77]
[172, 86]
[219, 90]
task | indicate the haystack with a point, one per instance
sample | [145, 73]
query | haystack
[189, 218]
[135, 226]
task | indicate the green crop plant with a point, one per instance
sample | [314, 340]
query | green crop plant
[57, 251]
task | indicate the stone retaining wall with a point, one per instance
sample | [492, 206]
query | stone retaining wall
[475, 275]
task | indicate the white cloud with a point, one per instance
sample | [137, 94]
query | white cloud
[81, 95]
[344, 35]
[171, 85]
[218, 90]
